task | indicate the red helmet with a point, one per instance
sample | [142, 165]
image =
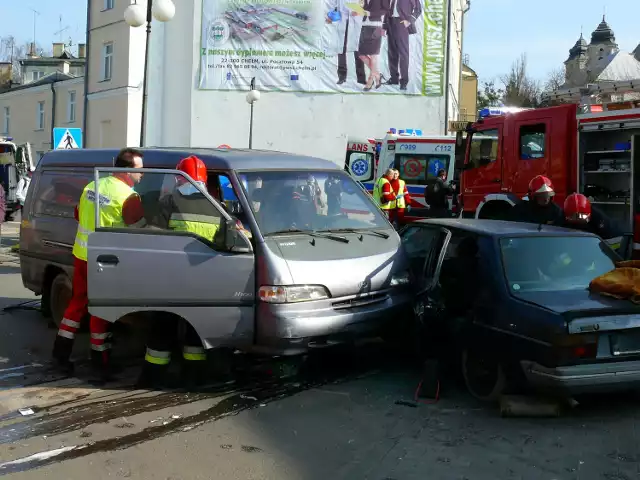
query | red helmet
[194, 167]
[577, 207]
[541, 184]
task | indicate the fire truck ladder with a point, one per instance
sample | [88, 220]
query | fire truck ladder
[588, 96]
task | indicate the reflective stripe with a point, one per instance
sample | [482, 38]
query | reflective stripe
[139, 224]
[193, 350]
[66, 334]
[157, 357]
[100, 336]
[194, 357]
[70, 323]
[83, 230]
[101, 348]
[195, 217]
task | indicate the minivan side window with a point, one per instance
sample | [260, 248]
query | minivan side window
[59, 192]
[164, 202]
[532, 141]
[484, 148]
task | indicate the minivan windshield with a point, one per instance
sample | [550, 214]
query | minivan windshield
[309, 201]
[559, 263]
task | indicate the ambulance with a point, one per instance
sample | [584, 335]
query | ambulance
[417, 157]
[361, 160]
[15, 160]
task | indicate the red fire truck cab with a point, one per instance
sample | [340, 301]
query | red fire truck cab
[588, 148]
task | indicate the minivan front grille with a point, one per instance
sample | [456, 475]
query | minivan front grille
[360, 301]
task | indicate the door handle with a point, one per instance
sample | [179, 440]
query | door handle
[496, 180]
[108, 260]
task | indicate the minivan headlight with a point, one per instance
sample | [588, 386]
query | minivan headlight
[291, 293]
[400, 278]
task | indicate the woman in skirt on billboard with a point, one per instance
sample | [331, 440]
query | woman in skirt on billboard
[371, 39]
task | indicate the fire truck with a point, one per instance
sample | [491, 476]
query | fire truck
[415, 156]
[587, 147]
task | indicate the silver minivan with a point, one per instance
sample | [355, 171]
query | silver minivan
[316, 263]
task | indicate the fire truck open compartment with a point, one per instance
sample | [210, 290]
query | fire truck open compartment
[609, 163]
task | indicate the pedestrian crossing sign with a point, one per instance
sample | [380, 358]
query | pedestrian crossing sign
[67, 138]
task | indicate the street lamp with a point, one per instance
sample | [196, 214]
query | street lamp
[134, 16]
[252, 97]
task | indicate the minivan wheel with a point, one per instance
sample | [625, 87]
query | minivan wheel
[60, 296]
[483, 375]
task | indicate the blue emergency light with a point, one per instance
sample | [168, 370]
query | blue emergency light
[407, 131]
[493, 111]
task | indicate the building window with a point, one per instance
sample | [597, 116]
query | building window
[40, 117]
[107, 61]
[71, 107]
[532, 141]
[108, 4]
[36, 75]
[6, 124]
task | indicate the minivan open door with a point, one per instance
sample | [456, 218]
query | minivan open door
[152, 267]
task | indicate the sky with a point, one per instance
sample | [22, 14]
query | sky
[496, 31]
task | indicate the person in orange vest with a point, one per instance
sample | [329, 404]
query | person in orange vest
[402, 201]
[120, 205]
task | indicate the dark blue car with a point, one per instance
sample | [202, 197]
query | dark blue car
[510, 302]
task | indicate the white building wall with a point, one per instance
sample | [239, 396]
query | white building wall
[312, 124]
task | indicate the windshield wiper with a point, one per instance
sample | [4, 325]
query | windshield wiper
[311, 233]
[356, 230]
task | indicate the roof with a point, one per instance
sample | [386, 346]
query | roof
[51, 78]
[603, 34]
[622, 66]
[579, 48]
[501, 228]
[214, 158]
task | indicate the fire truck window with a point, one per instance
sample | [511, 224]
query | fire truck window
[532, 141]
[484, 148]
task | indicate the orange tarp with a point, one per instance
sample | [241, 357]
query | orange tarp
[623, 282]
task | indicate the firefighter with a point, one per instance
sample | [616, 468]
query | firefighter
[581, 215]
[403, 201]
[119, 206]
[435, 194]
[539, 208]
[384, 195]
[186, 209]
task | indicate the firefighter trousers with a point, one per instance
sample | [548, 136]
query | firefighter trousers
[162, 340]
[73, 315]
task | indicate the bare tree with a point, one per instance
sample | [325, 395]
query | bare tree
[520, 90]
[12, 51]
[555, 80]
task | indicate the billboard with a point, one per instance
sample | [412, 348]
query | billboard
[325, 46]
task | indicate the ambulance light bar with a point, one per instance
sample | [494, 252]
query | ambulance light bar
[6, 139]
[406, 132]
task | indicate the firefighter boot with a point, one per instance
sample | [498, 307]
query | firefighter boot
[102, 368]
[194, 374]
[153, 376]
[60, 356]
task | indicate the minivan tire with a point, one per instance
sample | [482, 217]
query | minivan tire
[59, 297]
[493, 385]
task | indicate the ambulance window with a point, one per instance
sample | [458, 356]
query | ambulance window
[532, 141]
[416, 169]
[484, 148]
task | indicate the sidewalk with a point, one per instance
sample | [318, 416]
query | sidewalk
[9, 236]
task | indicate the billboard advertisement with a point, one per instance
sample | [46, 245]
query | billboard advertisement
[325, 46]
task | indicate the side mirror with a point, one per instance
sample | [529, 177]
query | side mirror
[234, 240]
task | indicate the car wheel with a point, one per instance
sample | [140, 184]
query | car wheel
[483, 375]
[60, 296]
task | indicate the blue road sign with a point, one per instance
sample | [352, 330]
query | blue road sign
[67, 138]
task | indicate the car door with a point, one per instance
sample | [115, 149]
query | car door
[155, 268]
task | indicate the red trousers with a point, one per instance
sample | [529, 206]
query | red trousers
[396, 215]
[78, 308]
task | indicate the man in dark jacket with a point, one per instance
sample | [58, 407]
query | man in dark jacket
[399, 24]
[435, 194]
[581, 215]
[539, 208]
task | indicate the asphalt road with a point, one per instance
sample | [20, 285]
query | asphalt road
[341, 421]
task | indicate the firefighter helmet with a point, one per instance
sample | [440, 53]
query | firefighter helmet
[541, 184]
[194, 167]
[577, 208]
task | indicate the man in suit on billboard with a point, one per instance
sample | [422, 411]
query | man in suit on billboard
[399, 25]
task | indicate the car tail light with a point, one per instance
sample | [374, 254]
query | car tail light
[636, 229]
[577, 347]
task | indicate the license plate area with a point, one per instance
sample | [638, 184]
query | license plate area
[627, 343]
